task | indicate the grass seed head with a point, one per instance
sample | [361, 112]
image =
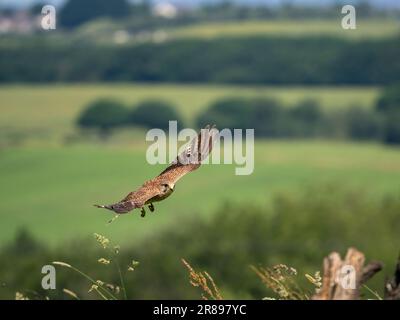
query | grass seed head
[102, 240]
[104, 261]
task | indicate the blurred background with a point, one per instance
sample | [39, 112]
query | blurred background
[77, 101]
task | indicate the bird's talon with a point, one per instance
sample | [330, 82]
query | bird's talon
[143, 212]
[151, 207]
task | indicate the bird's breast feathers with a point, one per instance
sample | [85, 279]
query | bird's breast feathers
[160, 197]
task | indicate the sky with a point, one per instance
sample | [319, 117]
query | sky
[378, 3]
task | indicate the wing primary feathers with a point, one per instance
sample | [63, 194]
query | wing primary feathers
[191, 158]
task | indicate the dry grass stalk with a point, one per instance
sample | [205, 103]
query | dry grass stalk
[202, 280]
[280, 279]
[71, 293]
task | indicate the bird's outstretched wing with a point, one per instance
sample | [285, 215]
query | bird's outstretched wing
[147, 191]
[191, 158]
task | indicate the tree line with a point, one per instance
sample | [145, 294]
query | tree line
[73, 14]
[104, 115]
[254, 60]
[269, 118]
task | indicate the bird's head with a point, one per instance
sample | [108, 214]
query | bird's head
[167, 187]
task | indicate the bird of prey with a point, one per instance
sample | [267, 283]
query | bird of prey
[162, 186]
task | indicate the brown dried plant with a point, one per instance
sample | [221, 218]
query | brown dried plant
[203, 280]
[281, 280]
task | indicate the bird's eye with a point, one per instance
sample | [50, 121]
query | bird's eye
[165, 187]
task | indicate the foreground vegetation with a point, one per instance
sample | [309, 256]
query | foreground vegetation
[296, 230]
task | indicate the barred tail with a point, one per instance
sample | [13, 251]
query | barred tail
[120, 207]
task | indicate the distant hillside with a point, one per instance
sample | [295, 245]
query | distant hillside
[375, 3]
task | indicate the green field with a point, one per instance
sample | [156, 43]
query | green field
[49, 112]
[365, 29]
[49, 186]
[103, 30]
[51, 190]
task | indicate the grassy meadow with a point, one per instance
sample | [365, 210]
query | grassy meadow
[50, 186]
[102, 30]
[52, 190]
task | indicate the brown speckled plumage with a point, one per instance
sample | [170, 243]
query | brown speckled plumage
[162, 186]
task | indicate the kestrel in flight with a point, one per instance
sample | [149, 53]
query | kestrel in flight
[162, 186]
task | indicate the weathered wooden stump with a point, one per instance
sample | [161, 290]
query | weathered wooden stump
[342, 279]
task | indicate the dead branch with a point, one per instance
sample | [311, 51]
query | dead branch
[342, 279]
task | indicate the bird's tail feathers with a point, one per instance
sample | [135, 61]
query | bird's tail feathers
[109, 207]
[120, 207]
